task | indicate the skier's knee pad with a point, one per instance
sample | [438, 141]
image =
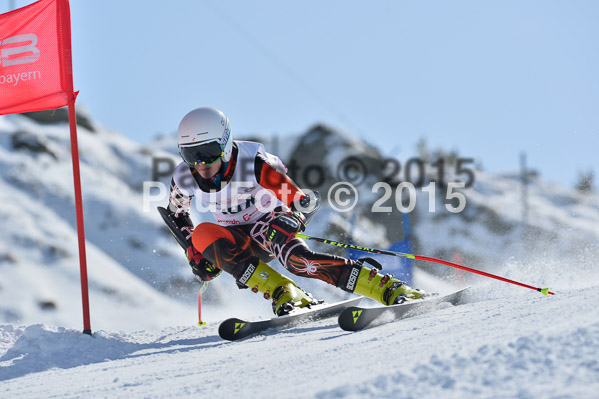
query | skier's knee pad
[205, 234]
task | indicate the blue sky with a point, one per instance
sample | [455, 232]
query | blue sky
[490, 79]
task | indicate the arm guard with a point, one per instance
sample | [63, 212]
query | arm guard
[180, 226]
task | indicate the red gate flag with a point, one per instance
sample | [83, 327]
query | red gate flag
[36, 74]
[35, 58]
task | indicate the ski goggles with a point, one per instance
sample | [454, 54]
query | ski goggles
[204, 153]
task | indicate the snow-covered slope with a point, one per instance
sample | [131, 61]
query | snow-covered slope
[39, 264]
[129, 249]
[505, 344]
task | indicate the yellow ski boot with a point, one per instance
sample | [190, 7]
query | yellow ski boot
[285, 294]
[385, 289]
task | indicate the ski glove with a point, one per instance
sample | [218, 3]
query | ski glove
[283, 228]
[200, 266]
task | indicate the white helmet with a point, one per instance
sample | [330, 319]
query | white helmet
[204, 136]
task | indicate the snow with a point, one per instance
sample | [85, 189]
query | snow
[517, 344]
[502, 342]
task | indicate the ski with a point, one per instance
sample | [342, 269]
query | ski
[234, 329]
[356, 318]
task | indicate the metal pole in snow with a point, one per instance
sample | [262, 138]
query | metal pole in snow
[79, 212]
[200, 292]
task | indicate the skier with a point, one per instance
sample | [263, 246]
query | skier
[258, 210]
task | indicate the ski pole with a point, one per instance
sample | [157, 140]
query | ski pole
[200, 292]
[543, 291]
